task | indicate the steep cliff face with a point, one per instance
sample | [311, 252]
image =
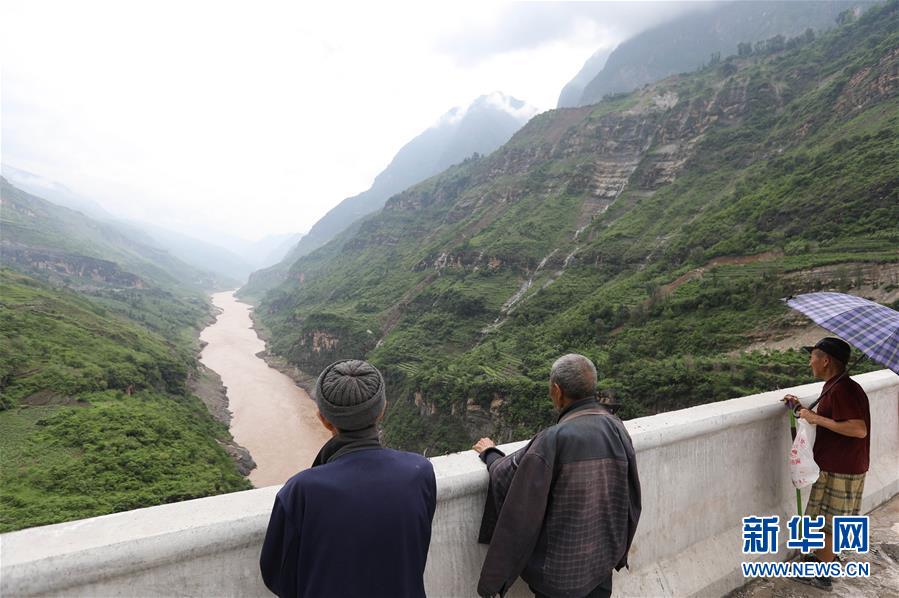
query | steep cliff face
[568, 238]
[869, 85]
[75, 271]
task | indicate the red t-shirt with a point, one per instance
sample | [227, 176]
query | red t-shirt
[843, 399]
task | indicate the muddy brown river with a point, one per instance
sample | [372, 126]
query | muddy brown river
[272, 417]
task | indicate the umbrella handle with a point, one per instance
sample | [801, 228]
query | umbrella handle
[793, 437]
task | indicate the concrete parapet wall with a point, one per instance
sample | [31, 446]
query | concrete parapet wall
[702, 470]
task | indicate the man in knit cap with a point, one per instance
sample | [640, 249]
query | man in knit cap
[358, 522]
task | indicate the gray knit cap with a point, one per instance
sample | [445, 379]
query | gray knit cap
[350, 394]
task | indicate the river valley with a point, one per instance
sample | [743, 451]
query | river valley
[271, 417]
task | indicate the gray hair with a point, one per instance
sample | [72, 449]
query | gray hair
[575, 375]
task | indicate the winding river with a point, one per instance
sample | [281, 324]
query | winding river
[272, 417]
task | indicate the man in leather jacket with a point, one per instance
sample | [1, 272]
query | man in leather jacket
[562, 511]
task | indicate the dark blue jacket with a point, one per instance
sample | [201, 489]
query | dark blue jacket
[357, 526]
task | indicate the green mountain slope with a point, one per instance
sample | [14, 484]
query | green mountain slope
[95, 416]
[654, 232]
[112, 265]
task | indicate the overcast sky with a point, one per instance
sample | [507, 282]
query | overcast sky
[255, 118]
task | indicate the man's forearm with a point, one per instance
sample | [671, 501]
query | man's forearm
[854, 428]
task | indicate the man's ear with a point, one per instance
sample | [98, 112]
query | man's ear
[555, 393]
[328, 425]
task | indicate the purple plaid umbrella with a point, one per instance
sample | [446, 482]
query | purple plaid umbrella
[870, 327]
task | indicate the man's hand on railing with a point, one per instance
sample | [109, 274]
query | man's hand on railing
[792, 402]
[483, 444]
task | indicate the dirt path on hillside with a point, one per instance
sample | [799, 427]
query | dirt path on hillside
[695, 273]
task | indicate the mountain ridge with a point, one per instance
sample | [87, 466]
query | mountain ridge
[232, 258]
[691, 41]
[32, 223]
[480, 127]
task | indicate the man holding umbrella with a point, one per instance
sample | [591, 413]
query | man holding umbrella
[842, 442]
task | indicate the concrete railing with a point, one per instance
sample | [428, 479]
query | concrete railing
[702, 469]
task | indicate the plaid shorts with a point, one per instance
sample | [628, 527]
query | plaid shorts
[835, 494]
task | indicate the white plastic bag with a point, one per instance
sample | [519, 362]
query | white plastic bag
[803, 469]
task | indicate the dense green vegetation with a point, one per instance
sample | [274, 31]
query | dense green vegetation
[763, 175]
[108, 452]
[66, 344]
[95, 416]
